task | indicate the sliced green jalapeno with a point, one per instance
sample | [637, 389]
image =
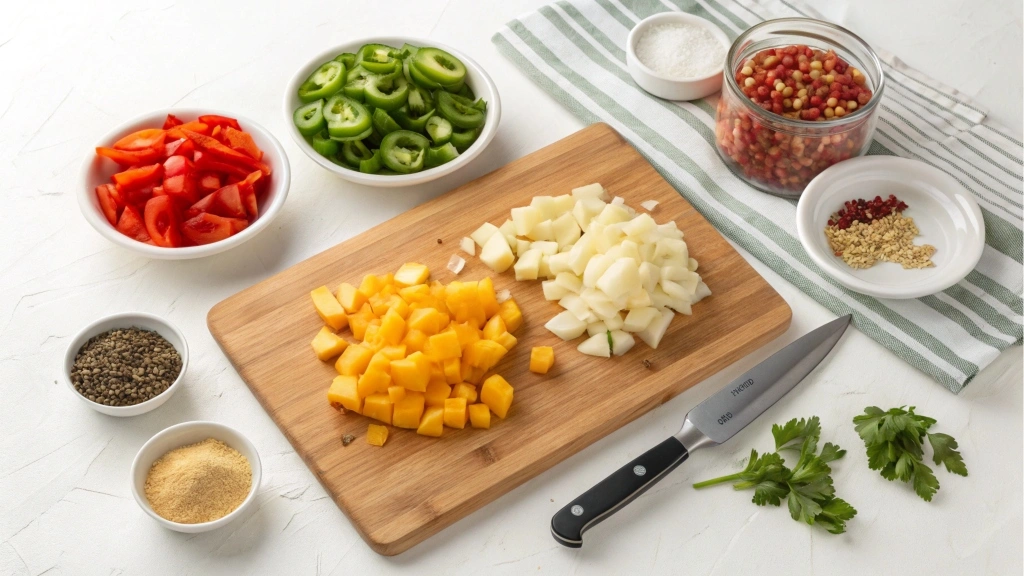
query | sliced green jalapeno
[439, 130]
[406, 119]
[373, 140]
[309, 118]
[383, 123]
[323, 82]
[463, 139]
[439, 66]
[386, 92]
[466, 92]
[346, 117]
[404, 151]
[371, 165]
[378, 58]
[480, 104]
[408, 50]
[419, 101]
[441, 155]
[454, 88]
[323, 144]
[346, 58]
[459, 111]
[355, 152]
[416, 77]
[361, 136]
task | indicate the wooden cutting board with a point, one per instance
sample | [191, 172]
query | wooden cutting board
[399, 495]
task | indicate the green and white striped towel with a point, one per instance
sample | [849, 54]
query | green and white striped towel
[574, 49]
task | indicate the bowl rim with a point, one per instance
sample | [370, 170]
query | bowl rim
[952, 273]
[717, 32]
[398, 180]
[79, 339]
[256, 469]
[280, 184]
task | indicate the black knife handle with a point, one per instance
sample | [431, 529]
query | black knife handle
[615, 491]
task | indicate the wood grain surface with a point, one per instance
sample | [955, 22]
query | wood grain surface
[399, 495]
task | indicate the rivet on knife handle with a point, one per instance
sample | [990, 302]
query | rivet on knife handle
[615, 491]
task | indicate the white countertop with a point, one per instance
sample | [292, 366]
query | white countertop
[72, 72]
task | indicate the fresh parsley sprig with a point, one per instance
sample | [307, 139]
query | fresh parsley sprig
[894, 441]
[807, 487]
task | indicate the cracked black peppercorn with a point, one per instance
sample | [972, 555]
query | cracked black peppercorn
[125, 366]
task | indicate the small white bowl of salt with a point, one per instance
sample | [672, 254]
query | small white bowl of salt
[677, 56]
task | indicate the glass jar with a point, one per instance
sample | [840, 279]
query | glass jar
[781, 154]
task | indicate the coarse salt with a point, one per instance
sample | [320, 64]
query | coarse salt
[680, 50]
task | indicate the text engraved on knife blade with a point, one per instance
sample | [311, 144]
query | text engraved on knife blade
[743, 386]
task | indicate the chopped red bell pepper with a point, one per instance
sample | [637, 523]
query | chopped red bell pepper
[222, 152]
[172, 121]
[226, 202]
[175, 165]
[208, 228]
[217, 120]
[127, 158]
[194, 126]
[247, 190]
[181, 147]
[208, 163]
[107, 202]
[181, 187]
[142, 140]
[242, 142]
[209, 183]
[162, 222]
[136, 178]
[130, 224]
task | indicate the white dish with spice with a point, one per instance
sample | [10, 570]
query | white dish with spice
[185, 434]
[945, 213]
[165, 329]
[677, 56]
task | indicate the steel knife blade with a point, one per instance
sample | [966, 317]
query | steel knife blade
[711, 422]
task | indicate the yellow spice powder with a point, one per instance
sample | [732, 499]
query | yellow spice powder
[199, 482]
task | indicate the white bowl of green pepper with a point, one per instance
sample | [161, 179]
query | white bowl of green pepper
[392, 111]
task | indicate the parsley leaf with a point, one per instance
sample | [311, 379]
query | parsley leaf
[894, 443]
[807, 487]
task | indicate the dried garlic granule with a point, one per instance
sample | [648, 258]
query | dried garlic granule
[890, 239]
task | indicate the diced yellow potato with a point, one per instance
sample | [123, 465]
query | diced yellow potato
[408, 411]
[377, 435]
[354, 360]
[411, 274]
[381, 362]
[412, 373]
[396, 393]
[371, 285]
[396, 303]
[413, 294]
[541, 359]
[350, 298]
[443, 346]
[511, 314]
[506, 340]
[488, 299]
[392, 328]
[480, 416]
[436, 394]
[370, 336]
[463, 300]
[328, 308]
[432, 423]
[455, 413]
[452, 371]
[465, 390]
[494, 327]
[497, 394]
[466, 333]
[373, 382]
[378, 407]
[360, 320]
[437, 374]
[484, 354]
[327, 344]
[426, 320]
[343, 394]
[415, 340]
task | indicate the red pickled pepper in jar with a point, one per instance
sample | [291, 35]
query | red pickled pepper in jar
[800, 84]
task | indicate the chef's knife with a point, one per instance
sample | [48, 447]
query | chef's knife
[713, 421]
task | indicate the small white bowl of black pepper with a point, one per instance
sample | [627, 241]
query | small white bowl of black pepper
[126, 364]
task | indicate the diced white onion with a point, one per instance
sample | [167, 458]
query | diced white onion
[649, 205]
[503, 295]
[468, 246]
[456, 263]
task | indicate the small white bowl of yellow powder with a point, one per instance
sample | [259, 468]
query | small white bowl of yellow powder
[677, 56]
[196, 476]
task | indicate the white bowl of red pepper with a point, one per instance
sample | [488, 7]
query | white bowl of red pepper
[883, 260]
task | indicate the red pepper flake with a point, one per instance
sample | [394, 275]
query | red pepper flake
[861, 210]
